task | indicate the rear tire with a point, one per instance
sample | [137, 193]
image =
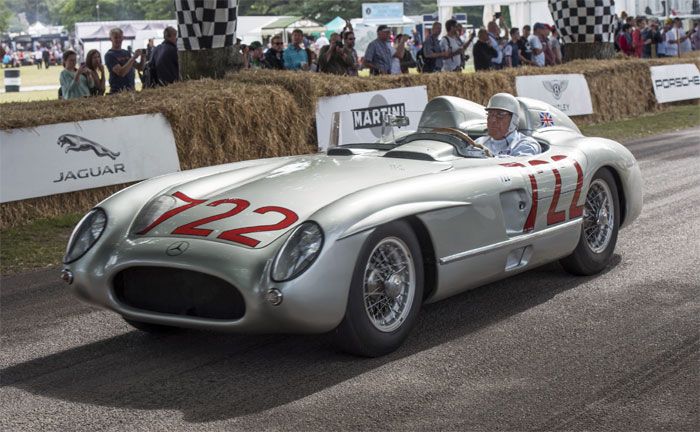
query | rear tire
[601, 223]
[385, 293]
[155, 329]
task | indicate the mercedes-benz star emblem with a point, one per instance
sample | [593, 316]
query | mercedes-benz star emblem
[177, 248]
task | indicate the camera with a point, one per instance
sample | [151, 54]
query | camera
[497, 15]
[339, 44]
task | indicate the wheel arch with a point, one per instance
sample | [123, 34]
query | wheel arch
[620, 191]
[428, 251]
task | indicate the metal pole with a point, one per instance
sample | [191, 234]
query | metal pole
[97, 6]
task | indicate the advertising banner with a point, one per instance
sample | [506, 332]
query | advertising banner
[67, 157]
[360, 115]
[569, 93]
[381, 13]
[675, 82]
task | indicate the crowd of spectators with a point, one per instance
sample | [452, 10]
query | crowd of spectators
[42, 56]
[494, 47]
[155, 66]
[646, 38]
[336, 55]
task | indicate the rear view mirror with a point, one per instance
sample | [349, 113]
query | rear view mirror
[396, 120]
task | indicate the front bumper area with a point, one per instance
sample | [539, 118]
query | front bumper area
[314, 302]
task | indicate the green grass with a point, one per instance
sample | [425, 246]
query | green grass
[31, 76]
[42, 243]
[31, 96]
[36, 245]
[673, 118]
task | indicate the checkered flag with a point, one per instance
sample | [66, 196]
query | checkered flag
[206, 24]
[584, 20]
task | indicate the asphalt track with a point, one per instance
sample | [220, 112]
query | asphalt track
[540, 351]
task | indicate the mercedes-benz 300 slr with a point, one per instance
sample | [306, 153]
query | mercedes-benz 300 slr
[354, 240]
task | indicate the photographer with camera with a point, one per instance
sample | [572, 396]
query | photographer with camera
[453, 45]
[121, 64]
[334, 58]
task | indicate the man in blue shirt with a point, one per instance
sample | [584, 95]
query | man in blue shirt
[121, 64]
[295, 56]
[164, 58]
[378, 54]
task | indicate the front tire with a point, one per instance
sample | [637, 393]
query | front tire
[601, 223]
[385, 293]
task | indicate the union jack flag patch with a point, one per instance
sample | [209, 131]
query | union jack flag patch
[546, 119]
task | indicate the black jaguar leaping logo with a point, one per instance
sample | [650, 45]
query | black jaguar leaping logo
[77, 143]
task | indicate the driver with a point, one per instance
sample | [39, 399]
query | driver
[502, 122]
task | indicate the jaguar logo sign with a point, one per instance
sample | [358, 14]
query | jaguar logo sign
[556, 87]
[77, 143]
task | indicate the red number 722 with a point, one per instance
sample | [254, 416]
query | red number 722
[233, 235]
[553, 216]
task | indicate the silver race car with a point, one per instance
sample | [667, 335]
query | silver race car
[353, 241]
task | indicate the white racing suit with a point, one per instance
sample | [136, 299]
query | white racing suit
[514, 144]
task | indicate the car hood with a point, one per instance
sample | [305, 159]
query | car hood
[254, 205]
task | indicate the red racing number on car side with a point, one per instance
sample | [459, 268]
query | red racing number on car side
[577, 210]
[234, 235]
[553, 216]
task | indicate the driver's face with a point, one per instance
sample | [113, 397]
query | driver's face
[497, 122]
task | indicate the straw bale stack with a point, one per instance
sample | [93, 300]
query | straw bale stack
[256, 114]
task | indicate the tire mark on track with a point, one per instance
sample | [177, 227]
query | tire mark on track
[678, 151]
[648, 376]
[693, 182]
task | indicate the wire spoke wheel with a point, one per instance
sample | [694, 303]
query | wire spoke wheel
[389, 284]
[598, 216]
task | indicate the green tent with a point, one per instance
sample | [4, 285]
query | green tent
[336, 25]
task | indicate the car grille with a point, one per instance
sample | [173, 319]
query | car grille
[178, 292]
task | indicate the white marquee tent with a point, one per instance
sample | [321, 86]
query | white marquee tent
[531, 11]
[521, 12]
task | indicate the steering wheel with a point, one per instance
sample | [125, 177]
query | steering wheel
[465, 137]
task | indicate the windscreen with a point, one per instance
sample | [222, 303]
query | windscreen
[387, 128]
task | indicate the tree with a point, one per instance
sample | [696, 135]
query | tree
[156, 9]
[319, 10]
[68, 12]
[5, 15]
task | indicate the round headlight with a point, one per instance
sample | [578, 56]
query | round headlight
[298, 253]
[85, 234]
[152, 211]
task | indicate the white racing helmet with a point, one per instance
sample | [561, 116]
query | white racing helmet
[506, 102]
